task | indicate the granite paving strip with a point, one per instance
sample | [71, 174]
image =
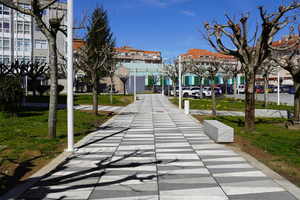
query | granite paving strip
[154, 151]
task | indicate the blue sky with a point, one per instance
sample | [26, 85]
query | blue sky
[170, 26]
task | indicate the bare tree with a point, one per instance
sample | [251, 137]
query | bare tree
[266, 68]
[225, 74]
[154, 80]
[291, 63]
[50, 30]
[213, 68]
[124, 78]
[5, 69]
[251, 57]
[111, 67]
[198, 69]
[93, 68]
[35, 70]
[171, 68]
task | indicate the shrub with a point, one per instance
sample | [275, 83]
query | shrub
[42, 89]
[60, 88]
[11, 94]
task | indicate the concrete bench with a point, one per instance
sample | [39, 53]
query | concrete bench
[218, 131]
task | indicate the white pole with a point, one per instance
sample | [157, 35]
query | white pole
[70, 78]
[278, 87]
[162, 87]
[238, 87]
[134, 84]
[179, 82]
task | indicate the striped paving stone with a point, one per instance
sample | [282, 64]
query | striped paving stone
[153, 151]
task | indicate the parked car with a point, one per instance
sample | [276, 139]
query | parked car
[259, 89]
[172, 91]
[286, 88]
[276, 89]
[206, 93]
[270, 88]
[189, 91]
[292, 91]
[240, 89]
[229, 89]
[166, 90]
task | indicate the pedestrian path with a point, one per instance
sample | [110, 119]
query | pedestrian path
[153, 151]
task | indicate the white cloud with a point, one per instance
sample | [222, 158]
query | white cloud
[188, 13]
[154, 3]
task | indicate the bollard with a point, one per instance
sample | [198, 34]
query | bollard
[186, 107]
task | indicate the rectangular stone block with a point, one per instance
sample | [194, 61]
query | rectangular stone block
[272, 113]
[218, 131]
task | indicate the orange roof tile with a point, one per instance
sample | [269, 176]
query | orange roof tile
[196, 53]
[127, 49]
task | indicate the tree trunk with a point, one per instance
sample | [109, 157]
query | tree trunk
[213, 98]
[95, 95]
[266, 92]
[124, 88]
[234, 88]
[174, 88]
[33, 88]
[53, 88]
[249, 103]
[111, 89]
[168, 90]
[296, 98]
[201, 89]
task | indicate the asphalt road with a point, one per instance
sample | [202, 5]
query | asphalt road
[284, 97]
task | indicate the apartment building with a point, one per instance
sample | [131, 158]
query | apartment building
[21, 39]
[128, 54]
[203, 57]
[285, 78]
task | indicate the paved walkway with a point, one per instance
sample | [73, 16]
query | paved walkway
[153, 151]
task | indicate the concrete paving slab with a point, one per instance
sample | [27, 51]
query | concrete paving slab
[152, 150]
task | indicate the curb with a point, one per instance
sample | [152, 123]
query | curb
[17, 191]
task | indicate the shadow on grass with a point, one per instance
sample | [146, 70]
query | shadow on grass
[8, 182]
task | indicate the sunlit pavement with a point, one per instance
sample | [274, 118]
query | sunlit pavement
[152, 150]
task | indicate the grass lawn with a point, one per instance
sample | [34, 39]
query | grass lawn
[103, 99]
[24, 148]
[273, 144]
[229, 105]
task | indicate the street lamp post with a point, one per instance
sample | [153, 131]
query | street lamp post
[70, 78]
[180, 97]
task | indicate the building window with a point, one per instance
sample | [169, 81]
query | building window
[36, 27]
[5, 10]
[20, 27]
[133, 53]
[44, 12]
[127, 61]
[119, 60]
[40, 60]
[141, 53]
[1, 45]
[27, 45]
[134, 61]
[40, 44]
[140, 61]
[26, 28]
[20, 45]
[6, 27]
[6, 45]
[147, 61]
[5, 60]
